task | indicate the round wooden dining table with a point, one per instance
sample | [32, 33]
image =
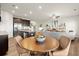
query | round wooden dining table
[49, 44]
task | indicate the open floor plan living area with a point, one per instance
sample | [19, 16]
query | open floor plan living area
[39, 29]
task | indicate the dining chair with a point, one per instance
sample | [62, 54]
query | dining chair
[38, 33]
[64, 45]
[19, 47]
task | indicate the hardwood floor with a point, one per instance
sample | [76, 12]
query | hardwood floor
[73, 51]
[11, 48]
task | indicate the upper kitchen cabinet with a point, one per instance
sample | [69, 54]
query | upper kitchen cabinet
[22, 21]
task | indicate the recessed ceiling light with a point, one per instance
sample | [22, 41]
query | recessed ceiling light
[40, 7]
[30, 12]
[13, 11]
[16, 7]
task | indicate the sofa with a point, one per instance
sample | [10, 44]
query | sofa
[58, 34]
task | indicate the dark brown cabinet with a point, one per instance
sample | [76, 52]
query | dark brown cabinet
[0, 18]
[3, 44]
[22, 21]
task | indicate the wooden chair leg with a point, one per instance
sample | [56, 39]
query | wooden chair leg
[50, 54]
[19, 54]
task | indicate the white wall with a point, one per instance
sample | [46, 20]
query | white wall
[6, 23]
[71, 23]
[77, 22]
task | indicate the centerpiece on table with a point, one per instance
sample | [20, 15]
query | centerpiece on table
[40, 38]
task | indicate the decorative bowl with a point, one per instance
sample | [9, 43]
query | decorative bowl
[40, 39]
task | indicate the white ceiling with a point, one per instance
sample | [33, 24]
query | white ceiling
[59, 9]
